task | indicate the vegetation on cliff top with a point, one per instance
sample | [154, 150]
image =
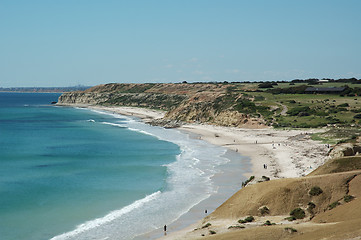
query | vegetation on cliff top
[280, 104]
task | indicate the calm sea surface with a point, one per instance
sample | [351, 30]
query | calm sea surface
[68, 173]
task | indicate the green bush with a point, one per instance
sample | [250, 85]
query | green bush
[207, 225]
[348, 198]
[357, 116]
[249, 219]
[265, 178]
[247, 181]
[230, 227]
[268, 223]
[298, 213]
[265, 85]
[246, 220]
[343, 105]
[259, 98]
[264, 210]
[212, 232]
[290, 218]
[333, 205]
[303, 111]
[311, 205]
[310, 208]
[315, 191]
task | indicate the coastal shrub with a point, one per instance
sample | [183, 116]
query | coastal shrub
[348, 198]
[290, 230]
[265, 85]
[342, 109]
[297, 111]
[207, 225]
[267, 223]
[333, 205]
[291, 218]
[311, 206]
[246, 220]
[358, 110]
[245, 106]
[259, 98]
[343, 105]
[357, 116]
[264, 210]
[332, 120]
[247, 181]
[249, 219]
[315, 191]
[212, 232]
[297, 213]
[236, 227]
[265, 178]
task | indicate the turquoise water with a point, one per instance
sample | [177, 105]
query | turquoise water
[61, 166]
[72, 173]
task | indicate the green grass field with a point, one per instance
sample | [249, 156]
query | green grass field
[304, 110]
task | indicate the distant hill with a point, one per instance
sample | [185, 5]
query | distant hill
[44, 89]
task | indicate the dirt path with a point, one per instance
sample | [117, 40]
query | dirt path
[284, 110]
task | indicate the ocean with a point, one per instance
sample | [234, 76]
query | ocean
[74, 173]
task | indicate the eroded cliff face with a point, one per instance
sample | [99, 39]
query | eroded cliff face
[83, 98]
[201, 103]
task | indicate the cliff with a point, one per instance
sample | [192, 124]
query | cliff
[204, 103]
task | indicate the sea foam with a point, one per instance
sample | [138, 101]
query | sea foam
[189, 182]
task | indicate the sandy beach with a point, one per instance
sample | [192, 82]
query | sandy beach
[286, 153]
[273, 153]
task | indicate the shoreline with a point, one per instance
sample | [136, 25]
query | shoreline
[286, 153]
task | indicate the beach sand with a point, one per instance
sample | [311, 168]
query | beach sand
[286, 153]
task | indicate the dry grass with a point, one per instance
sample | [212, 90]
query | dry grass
[343, 164]
[283, 195]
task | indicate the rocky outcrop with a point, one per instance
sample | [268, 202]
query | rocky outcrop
[166, 123]
[345, 149]
[83, 98]
[148, 100]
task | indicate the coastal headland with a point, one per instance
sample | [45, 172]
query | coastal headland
[304, 179]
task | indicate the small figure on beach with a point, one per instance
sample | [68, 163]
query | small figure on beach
[236, 149]
[205, 211]
[265, 166]
[165, 228]
[256, 141]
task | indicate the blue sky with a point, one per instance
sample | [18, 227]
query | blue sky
[70, 42]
